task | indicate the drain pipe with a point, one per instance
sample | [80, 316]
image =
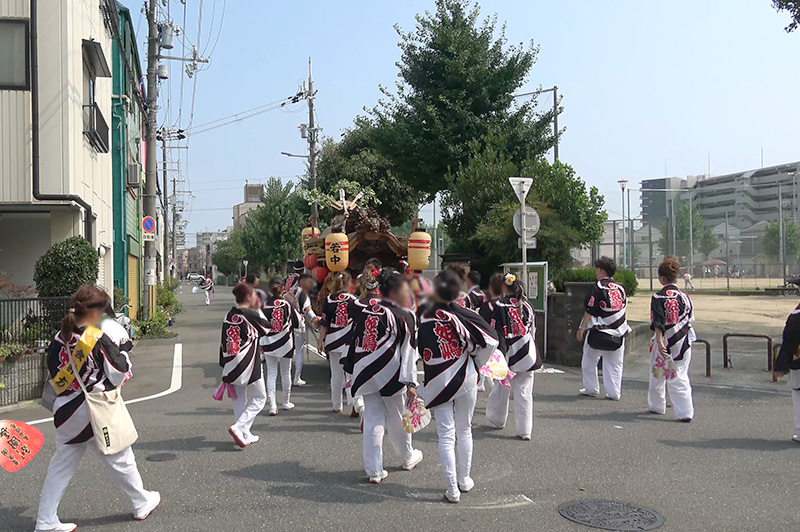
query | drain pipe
[35, 146]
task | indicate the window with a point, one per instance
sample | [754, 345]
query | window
[14, 54]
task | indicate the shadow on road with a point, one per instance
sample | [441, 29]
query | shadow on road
[742, 444]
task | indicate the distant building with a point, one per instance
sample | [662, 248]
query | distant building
[252, 200]
[657, 196]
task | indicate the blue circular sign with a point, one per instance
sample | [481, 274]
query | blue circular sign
[148, 224]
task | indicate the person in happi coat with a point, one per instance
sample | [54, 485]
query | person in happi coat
[277, 346]
[240, 359]
[252, 280]
[788, 361]
[486, 311]
[207, 286]
[369, 296]
[475, 296]
[299, 297]
[335, 329]
[383, 362]
[106, 368]
[454, 342]
[461, 272]
[671, 315]
[513, 319]
[602, 331]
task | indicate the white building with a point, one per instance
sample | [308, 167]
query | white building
[252, 200]
[55, 111]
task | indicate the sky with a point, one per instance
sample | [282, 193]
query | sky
[648, 88]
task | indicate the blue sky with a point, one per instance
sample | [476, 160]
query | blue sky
[645, 85]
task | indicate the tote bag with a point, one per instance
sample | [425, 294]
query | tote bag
[111, 423]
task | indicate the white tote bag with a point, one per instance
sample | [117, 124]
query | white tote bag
[111, 423]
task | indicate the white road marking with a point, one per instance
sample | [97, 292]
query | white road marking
[175, 384]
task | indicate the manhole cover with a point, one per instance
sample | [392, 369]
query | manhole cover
[611, 515]
[161, 457]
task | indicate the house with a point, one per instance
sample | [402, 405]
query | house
[55, 111]
[127, 157]
[252, 200]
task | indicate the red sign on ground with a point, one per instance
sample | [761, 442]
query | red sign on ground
[19, 443]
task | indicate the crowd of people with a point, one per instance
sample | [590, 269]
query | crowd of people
[377, 331]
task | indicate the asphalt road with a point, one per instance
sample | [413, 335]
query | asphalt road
[734, 468]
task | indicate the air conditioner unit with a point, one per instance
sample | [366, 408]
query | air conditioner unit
[134, 175]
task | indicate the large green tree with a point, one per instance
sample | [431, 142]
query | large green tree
[772, 239]
[793, 8]
[457, 79]
[229, 252]
[702, 240]
[271, 232]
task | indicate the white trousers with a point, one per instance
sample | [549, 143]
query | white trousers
[207, 295]
[497, 405]
[454, 425]
[680, 389]
[299, 344]
[272, 377]
[383, 414]
[794, 382]
[612, 370]
[121, 467]
[250, 400]
[337, 380]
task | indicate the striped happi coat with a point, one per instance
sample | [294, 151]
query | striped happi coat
[515, 323]
[238, 351]
[336, 319]
[281, 321]
[671, 311]
[606, 304]
[453, 342]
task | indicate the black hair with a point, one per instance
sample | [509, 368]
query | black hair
[251, 279]
[496, 282]
[305, 275]
[276, 286]
[447, 286]
[299, 266]
[373, 262]
[242, 291]
[606, 264]
[474, 277]
[389, 281]
[459, 269]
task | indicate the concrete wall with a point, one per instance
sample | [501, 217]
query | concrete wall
[23, 239]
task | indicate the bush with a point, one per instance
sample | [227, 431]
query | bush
[120, 299]
[66, 266]
[167, 300]
[587, 275]
[153, 327]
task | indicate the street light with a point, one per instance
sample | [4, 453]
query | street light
[294, 155]
[622, 184]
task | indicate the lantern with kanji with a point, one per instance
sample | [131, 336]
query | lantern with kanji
[337, 252]
[419, 250]
[308, 233]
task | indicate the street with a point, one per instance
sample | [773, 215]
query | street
[733, 468]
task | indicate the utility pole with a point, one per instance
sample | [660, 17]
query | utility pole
[727, 257]
[782, 239]
[672, 218]
[691, 235]
[165, 195]
[555, 123]
[630, 234]
[151, 172]
[175, 215]
[312, 145]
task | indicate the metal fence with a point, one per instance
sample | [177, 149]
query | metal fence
[27, 326]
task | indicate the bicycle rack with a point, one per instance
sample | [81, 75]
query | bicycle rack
[708, 355]
[726, 361]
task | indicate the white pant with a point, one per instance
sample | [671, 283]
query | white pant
[497, 405]
[121, 467]
[299, 344]
[250, 400]
[794, 382]
[612, 370]
[337, 380]
[272, 377]
[680, 389]
[454, 425]
[207, 295]
[383, 414]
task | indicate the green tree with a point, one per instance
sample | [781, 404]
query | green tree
[772, 239]
[703, 240]
[793, 8]
[271, 233]
[457, 82]
[66, 266]
[229, 252]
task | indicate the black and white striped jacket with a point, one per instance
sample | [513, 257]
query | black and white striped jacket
[106, 369]
[515, 323]
[476, 298]
[671, 311]
[336, 319]
[453, 342]
[238, 350]
[281, 321]
[606, 305]
[382, 356]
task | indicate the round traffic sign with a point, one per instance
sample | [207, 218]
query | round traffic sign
[148, 224]
[532, 221]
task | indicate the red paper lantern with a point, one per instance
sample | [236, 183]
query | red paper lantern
[310, 261]
[321, 273]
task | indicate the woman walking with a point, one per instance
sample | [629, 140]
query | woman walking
[514, 322]
[383, 362]
[788, 362]
[278, 346]
[454, 343]
[105, 369]
[335, 330]
[603, 331]
[671, 350]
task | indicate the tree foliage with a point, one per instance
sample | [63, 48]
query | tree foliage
[792, 7]
[703, 240]
[66, 266]
[229, 252]
[772, 239]
[271, 233]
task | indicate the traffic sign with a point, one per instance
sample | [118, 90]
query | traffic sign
[149, 224]
[521, 186]
[530, 243]
[149, 237]
[532, 222]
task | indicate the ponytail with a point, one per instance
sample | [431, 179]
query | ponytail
[68, 326]
[336, 283]
[515, 289]
[85, 299]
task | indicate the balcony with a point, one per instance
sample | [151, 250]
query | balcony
[95, 127]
